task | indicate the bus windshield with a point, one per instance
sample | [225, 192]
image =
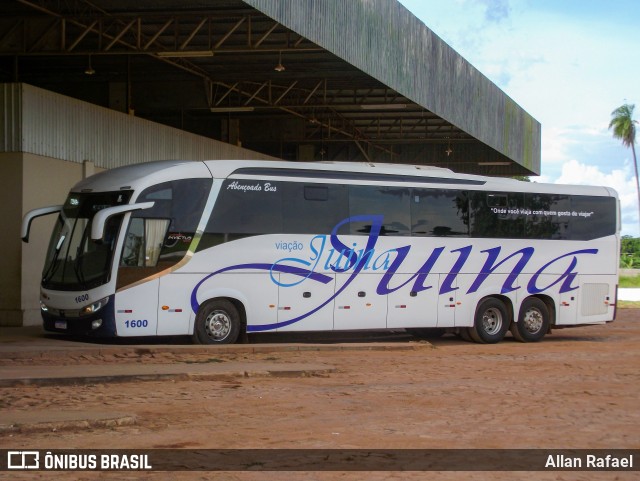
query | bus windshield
[74, 261]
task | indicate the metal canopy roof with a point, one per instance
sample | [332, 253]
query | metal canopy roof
[305, 80]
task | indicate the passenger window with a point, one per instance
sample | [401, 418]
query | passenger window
[595, 217]
[439, 213]
[143, 242]
[392, 203]
[497, 214]
[247, 207]
[550, 216]
[313, 209]
[159, 237]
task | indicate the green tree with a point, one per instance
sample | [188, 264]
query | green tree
[624, 128]
[629, 251]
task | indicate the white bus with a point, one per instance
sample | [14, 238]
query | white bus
[218, 249]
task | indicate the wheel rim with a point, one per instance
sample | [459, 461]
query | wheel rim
[492, 321]
[218, 325]
[532, 321]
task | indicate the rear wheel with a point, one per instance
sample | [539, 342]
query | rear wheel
[217, 322]
[491, 322]
[533, 321]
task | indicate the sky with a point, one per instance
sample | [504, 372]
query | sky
[568, 63]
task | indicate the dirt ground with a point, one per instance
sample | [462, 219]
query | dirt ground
[578, 388]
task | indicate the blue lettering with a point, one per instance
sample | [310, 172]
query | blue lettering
[568, 274]
[490, 266]
[316, 252]
[376, 225]
[382, 261]
[335, 256]
[425, 270]
[447, 285]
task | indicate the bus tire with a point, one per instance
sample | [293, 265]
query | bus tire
[533, 321]
[491, 322]
[217, 322]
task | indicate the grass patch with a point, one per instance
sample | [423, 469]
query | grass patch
[628, 304]
[629, 281]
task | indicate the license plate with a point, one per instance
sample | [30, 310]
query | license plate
[61, 324]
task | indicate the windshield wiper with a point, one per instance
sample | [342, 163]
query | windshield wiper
[77, 265]
[53, 266]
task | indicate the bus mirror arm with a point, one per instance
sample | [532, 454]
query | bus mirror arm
[32, 214]
[100, 219]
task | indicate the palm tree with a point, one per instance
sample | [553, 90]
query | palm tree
[624, 128]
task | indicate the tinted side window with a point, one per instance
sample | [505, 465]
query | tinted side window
[313, 208]
[550, 216]
[182, 201]
[497, 214]
[390, 202]
[592, 217]
[436, 212]
[159, 237]
[247, 207]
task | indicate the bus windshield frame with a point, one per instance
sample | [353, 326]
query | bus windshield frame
[74, 262]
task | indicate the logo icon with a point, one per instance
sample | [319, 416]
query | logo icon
[23, 460]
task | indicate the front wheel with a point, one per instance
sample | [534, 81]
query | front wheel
[217, 322]
[491, 322]
[533, 321]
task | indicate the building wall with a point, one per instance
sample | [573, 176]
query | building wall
[45, 181]
[48, 142]
[10, 261]
[28, 181]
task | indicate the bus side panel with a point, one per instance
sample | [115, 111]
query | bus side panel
[136, 310]
[175, 316]
[412, 309]
[358, 306]
[299, 298]
[256, 291]
[596, 298]
[448, 307]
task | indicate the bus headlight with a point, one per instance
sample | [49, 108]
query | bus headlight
[94, 307]
[96, 324]
[43, 307]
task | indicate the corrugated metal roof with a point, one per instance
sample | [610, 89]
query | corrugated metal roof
[386, 41]
[44, 123]
[333, 80]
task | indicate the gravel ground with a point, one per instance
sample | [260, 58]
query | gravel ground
[578, 388]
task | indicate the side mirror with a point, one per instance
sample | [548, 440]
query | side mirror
[100, 219]
[32, 214]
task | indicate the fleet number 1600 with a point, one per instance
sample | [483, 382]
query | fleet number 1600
[136, 323]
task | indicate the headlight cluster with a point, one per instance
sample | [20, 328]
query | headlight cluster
[94, 307]
[73, 313]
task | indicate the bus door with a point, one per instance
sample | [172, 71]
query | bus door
[138, 277]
